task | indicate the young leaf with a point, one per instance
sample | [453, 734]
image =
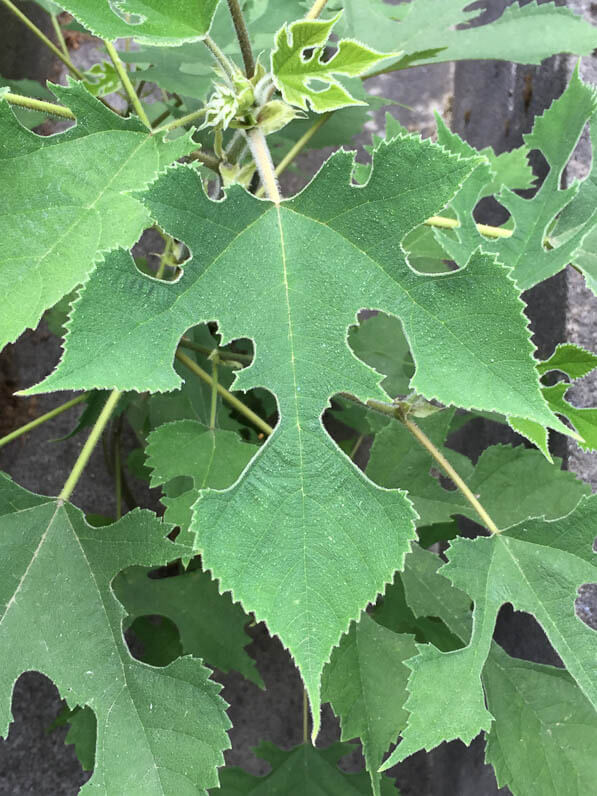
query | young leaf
[291, 507]
[211, 627]
[297, 63]
[66, 201]
[148, 21]
[519, 566]
[430, 31]
[299, 771]
[81, 734]
[365, 682]
[584, 420]
[55, 583]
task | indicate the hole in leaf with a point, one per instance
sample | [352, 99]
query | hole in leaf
[154, 639]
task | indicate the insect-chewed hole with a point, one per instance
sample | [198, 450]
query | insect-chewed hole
[160, 256]
[154, 639]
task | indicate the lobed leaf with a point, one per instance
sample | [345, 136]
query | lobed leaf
[67, 201]
[55, 583]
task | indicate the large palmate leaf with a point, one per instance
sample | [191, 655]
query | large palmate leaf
[428, 31]
[60, 617]
[65, 201]
[300, 771]
[149, 21]
[365, 682]
[289, 526]
[537, 566]
[544, 704]
[297, 63]
[211, 627]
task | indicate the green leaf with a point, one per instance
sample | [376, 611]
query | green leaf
[147, 21]
[56, 225]
[291, 509]
[380, 342]
[521, 566]
[81, 734]
[555, 134]
[299, 771]
[543, 704]
[211, 626]
[213, 459]
[584, 420]
[573, 360]
[55, 582]
[430, 31]
[297, 64]
[365, 682]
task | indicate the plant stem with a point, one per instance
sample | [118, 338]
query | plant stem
[40, 35]
[264, 163]
[203, 349]
[214, 394]
[484, 229]
[421, 437]
[42, 419]
[242, 35]
[297, 147]
[118, 473]
[89, 445]
[316, 9]
[59, 34]
[223, 60]
[166, 113]
[190, 117]
[357, 445]
[38, 105]
[227, 396]
[211, 161]
[126, 82]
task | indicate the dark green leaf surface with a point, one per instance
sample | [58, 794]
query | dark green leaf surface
[211, 627]
[55, 583]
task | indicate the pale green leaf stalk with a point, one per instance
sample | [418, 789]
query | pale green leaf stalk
[295, 72]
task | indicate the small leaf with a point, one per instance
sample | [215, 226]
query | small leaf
[584, 420]
[297, 63]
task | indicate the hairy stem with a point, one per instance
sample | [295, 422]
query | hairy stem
[242, 35]
[126, 82]
[297, 147]
[484, 229]
[190, 117]
[211, 161]
[166, 113]
[265, 165]
[42, 419]
[316, 9]
[222, 355]
[89, 445]
[118, 472]
[42, 37]
[424, 440]
[223, 60]
[226, 395]
[39, 105]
